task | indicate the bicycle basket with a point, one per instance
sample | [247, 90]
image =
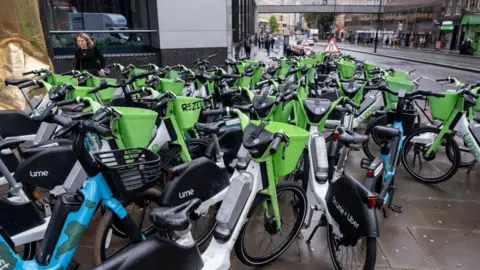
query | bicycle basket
[368, 66]
[346, 69]
[477, 104]
[105, 94]
[175, 87]
[57, 79]
[129, 171]
[187, 111]
[442, 107]
[319, 57]
[135, 126]
[397, 84]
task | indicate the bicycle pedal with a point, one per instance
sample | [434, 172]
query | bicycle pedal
[73, 265]
[396, 209]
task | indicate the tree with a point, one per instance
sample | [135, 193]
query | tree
[274, 26]
[321, 21]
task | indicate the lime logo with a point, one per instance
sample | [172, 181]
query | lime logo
[155, 148]
[41, 110]
[368, 113]
[471, 145]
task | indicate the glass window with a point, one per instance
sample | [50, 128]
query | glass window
[117, 26]
[459, 7]
[449, 7]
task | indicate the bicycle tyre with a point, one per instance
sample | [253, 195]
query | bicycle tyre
[453, 155]
[258, 202]
[301, 173]
[106, 223]
[370, 257]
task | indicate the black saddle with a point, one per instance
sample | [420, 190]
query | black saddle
[174, 218]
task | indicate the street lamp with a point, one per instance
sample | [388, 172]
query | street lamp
[378, 25]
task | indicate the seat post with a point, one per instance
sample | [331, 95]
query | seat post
[15, 187]
[218, 151]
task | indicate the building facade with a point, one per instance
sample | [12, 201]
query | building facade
[142, 31]
[460, 20]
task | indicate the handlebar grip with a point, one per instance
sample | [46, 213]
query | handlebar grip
[214, 112]
[110, 66]
[28, 72]
[101, 114]
[66, 102]
[437, 95]
[275, 144]
[260, 84]
[230, 76]
[352, 103]
[28, 84]
[145, 66]
[61, 120]
[471, 94]
[442, 80]
[98, 128]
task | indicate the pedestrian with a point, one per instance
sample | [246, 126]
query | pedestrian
[273, 42]
[247, 44]
[262, 41]
[386, 41]
[395, 42]
[267, 45]
[88, 57]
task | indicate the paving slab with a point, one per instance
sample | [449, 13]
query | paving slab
[449, 249]
[401, 249]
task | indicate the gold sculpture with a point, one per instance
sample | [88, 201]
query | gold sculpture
[22, 47]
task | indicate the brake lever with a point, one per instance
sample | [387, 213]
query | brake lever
[287, 142]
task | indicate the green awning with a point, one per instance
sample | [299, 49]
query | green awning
[471, 19]
[446, 27]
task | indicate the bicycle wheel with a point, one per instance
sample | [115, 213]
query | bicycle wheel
[414, 149]
[104, 245]
[372, 148]
[202, 225]
[261, 217]
[300, 174]
[466, 158]
[344, 255]
[172, 157]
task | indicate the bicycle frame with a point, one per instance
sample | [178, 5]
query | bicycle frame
[95, 191]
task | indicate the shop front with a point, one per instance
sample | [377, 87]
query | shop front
[471, 30]
[449, 34]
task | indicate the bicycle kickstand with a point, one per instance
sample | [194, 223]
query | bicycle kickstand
[470, 168]
[321, 223]
[395, 208]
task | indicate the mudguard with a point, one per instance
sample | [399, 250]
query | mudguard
[155, 251]
[47, 168]
[200, 178]
[347, 204]
[17, 123]
[19, 217]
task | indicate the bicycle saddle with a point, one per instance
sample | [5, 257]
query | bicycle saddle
[16, 81]
[289, 86]
[174, 218]
[256, 139]
[316, 108]
[350, 137]
[263, 104]
[351, 89]
[211, 128]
